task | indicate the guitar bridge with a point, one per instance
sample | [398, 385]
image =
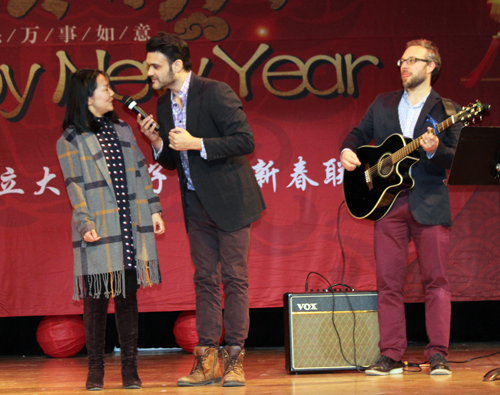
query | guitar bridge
[368, 178]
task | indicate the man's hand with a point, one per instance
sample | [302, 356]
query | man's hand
[181, 140]
[429, 141]
[148, 129]
[350, 160]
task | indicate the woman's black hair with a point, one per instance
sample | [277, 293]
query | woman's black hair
[82, 85]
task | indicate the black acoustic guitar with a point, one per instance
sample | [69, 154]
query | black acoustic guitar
[371, 189]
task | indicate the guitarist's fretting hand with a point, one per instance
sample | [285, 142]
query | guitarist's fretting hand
[350, 160]
[429, 141]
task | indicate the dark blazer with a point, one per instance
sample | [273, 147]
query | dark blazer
[429, 199]
[224, 182]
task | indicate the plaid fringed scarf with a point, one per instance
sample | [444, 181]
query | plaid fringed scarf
[90, 191]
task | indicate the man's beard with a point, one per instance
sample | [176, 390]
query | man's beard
[413, 81]
[165, 83]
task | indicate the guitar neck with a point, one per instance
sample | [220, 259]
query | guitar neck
[410, 147]
[405, 151]
[465, 115]
[445, 124]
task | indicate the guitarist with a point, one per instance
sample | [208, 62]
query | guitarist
[422, 213]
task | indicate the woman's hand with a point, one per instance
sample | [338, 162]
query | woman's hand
[158, 224]
[91, 236]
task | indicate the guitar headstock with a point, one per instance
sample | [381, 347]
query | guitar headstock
[471, 112]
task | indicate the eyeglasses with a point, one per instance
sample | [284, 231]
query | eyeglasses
[411, 60]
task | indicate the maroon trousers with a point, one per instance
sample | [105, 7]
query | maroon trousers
[217, 255]
[392, 236]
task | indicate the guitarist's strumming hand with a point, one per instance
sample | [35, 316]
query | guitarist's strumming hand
[429, 141]
[350, 160]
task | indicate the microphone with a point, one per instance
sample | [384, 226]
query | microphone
[132, 105]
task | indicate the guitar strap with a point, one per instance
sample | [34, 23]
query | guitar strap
[448, 106]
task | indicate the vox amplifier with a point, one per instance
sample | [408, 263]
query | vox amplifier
[330, 331]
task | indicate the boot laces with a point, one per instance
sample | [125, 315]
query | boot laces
[231, 364]
[198, 364]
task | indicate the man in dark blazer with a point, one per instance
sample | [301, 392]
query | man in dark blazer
[422, 213]
[204, 134]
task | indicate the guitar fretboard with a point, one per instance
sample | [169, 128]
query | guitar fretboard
[403, 152]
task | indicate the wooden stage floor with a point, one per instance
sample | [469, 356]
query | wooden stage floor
[265, 373]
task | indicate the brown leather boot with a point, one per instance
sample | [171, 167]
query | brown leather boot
[234, 376]
[205, 370]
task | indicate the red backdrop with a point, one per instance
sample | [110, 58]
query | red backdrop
[306, 72]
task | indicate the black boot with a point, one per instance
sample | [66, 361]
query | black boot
[127, 316]
[94, 323]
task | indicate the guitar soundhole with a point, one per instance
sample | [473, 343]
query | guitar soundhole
[384, 166]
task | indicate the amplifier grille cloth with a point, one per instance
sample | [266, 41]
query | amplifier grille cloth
[315, 342]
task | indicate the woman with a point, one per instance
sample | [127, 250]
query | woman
[115, 216]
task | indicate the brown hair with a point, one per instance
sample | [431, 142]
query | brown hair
[432, 54]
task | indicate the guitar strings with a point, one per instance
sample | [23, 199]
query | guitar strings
[413, 145]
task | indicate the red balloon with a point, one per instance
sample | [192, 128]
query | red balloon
[61, 336]
[185, 331]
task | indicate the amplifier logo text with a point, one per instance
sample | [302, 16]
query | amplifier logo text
[307, 306]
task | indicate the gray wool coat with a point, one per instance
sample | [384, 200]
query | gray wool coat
[93, 199]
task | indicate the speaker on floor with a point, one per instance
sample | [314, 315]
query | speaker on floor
[327, 331]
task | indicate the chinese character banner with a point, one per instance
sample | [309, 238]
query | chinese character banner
[305, 70]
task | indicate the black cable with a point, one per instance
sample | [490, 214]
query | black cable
[358, 367]
[352, 289]
[339, 284]
[468, 360]
[324, 278]
[342, 283]
[408, 365]
[472, 359]
[345, 287]
[340, 242]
